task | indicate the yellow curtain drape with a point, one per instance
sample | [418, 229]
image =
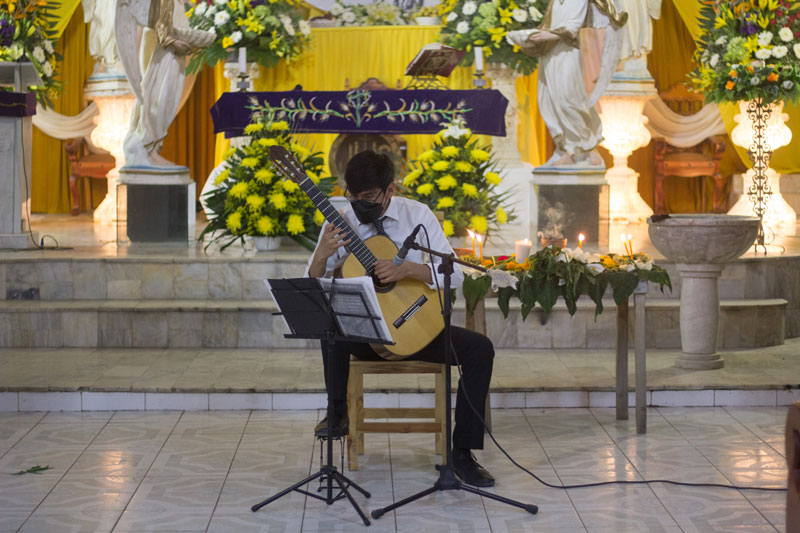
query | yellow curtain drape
[50, 172]
[785, 160]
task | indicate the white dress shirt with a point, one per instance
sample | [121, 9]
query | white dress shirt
[399, 220]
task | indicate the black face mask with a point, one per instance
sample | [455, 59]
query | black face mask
[367, 212]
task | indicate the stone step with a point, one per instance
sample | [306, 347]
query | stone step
[251, 324]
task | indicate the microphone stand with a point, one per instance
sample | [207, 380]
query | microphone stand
[447, 479]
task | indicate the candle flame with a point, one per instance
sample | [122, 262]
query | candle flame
[630, 236]
[581, 237]
[622, 237]
[478, 237]
[470, 233]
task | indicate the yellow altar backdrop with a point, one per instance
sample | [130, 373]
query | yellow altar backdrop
[337, 54]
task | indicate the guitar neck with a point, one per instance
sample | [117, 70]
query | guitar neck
[356, 245]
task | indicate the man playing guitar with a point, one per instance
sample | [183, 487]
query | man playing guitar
[373, 210]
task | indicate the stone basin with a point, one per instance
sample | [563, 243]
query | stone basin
[703, 238]
[700, 245]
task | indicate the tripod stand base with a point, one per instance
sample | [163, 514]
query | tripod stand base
[332, 475]
[448, 481]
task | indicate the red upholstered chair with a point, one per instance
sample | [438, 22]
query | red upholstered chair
[697, 161]
[85, 163]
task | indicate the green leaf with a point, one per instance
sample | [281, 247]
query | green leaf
[503, 298]
[475, 290]
[32, 470]
[623, 284]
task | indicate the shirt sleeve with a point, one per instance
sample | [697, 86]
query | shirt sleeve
[440, 243]
[334, 261]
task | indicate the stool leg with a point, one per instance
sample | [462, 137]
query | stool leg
[359, 390]
[439, 402]
[352, 413]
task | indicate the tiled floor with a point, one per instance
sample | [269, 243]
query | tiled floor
[201, 471]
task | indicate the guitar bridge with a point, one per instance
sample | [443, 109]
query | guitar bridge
[408, 313]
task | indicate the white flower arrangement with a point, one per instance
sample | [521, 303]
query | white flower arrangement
[381, 13]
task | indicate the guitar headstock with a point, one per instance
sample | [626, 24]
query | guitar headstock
[287, 164]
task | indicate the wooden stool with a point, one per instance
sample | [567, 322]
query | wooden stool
[358, 413]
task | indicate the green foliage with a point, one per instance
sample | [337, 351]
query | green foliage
[553, 273]
[471, 23]
[38, 469]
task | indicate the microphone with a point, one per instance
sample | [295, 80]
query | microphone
[407, 244]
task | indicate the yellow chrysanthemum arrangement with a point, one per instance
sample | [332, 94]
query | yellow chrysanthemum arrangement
[252, 198]
[458, 177]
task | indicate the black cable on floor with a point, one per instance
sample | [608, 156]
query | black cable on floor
[581, 485]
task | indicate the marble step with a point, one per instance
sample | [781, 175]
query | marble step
[242, 278]
[251, 324]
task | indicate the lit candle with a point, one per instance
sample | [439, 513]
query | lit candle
[480, 244]
[479, 58]
[522, 249]
[472, 236]
[581, 238]
[630, 244]
[624, 242]
[242, 60]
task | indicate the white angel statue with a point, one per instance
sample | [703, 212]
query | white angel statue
[165, 42]
[566, 107]
[638, 34]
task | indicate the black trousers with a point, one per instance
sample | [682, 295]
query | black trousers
[475, 353]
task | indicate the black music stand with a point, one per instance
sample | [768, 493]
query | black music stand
[447, 479]
[312, 312]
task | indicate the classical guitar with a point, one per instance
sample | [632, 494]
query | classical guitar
[410, 308]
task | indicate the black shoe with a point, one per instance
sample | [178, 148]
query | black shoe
[339, 428]
[469, 471]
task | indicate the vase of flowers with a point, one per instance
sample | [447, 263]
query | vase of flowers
[373, 14]
[469, 23]
[26, 35]
[427, 16]
[271, 31]
[458, 176]
[251, 199]
[750, 51]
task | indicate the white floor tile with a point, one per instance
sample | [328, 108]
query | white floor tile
[112, 401]
[49, 401]
[234, 401]
[9, 401]
[167, 401]
[745, 397]
[682, 398]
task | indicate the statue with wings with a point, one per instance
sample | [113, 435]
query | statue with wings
[565, 105]
[166, 40]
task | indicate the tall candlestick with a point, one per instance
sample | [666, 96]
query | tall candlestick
[522, 249]
[480, 244]
[581, 238]
[242, 60]
[630, 244]
[478, 58]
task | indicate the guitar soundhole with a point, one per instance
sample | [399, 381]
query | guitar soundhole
[380, 286]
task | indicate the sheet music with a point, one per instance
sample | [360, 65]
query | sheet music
[347, 299]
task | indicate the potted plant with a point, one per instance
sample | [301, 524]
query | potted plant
[427, 16]
[252, 199]
[26, 36]
[457, 176]
[271, 31]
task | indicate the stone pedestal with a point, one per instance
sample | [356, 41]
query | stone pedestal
[156, 205]
[16, 144]
[570, 201]
[624, 131]
[114, 98]
[516, 173]
[699, 316]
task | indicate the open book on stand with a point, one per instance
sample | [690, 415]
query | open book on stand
[434, 59]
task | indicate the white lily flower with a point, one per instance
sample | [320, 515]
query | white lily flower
[474, 274]
[644, 265]
[597, 267]
[501, 279]
[628, 267]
